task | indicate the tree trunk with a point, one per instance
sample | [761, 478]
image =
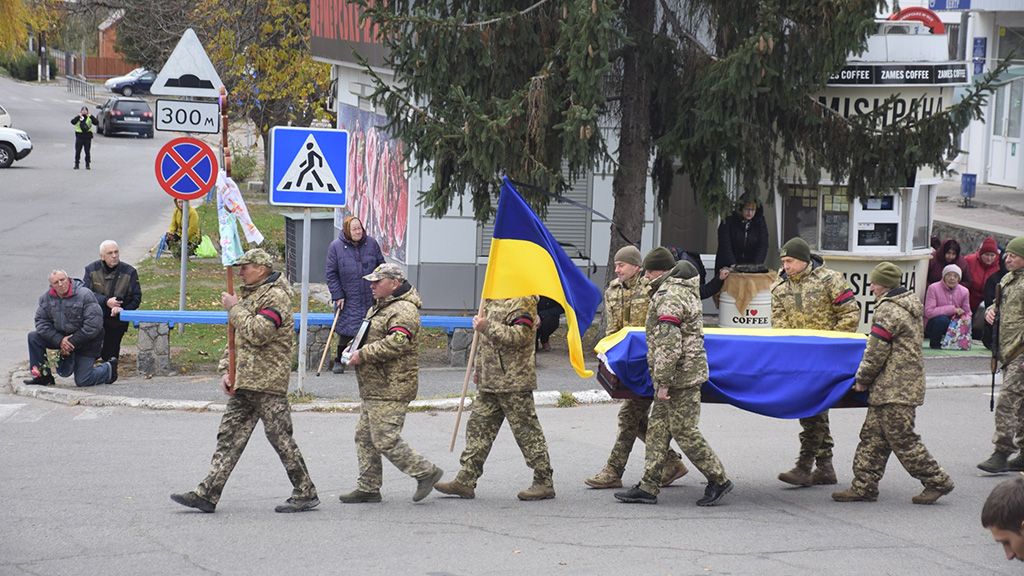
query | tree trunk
[629, 186]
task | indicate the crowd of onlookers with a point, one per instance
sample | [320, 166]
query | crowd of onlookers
[960, 289]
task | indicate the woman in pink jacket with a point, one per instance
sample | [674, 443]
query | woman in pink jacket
[946, 300]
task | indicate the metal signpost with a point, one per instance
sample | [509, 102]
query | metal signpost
[308, 168]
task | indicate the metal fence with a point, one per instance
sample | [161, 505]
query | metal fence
[79, 85]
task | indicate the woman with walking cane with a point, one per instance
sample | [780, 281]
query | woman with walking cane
[350, 256]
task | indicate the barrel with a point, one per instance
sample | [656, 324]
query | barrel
[757, 312]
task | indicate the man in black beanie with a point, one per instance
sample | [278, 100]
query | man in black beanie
[809, 296]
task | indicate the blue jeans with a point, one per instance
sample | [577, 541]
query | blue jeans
[83, 367]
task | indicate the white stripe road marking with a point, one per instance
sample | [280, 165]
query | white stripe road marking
[7, 410]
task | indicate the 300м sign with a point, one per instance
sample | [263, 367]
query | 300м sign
[182, 116]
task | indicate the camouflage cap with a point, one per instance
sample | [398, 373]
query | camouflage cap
[257, 256]
[386, 270]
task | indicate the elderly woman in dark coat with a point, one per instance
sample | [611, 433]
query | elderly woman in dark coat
[350, 257]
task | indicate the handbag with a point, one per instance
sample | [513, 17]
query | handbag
[958, 335]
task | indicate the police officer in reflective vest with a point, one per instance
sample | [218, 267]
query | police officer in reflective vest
[83, 124]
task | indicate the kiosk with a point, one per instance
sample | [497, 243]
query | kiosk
[910, 59]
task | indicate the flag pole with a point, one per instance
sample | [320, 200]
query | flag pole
[226, 163]
[465, 381]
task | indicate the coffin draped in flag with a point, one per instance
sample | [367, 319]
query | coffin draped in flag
[525, 259]
[778, 373]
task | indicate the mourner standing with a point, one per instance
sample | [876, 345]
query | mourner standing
[83, 124]
[1008, 311]
[809, 296]
[264, 335]
[892, 371]
[387, 369]
[625, 304]
[506, 377]
[678, 365]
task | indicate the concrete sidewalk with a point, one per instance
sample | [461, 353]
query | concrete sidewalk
[996, 210]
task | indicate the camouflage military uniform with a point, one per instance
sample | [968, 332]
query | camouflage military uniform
[815, 299]
[678, 361]
[1010, 408]
[625, 304]
[388, 375]
[506, 378]
[893, 372]
[264, 335]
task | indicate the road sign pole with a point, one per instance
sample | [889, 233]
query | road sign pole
[184, 260]
[304, 298]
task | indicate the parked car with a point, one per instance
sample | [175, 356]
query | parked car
[129, 76]
[121, 114]
[14, 145]
[138, 84]
[5, 118]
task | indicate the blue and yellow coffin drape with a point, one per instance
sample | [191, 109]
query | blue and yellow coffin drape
[778, 373]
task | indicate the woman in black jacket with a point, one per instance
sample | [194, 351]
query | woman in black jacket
[743, 236]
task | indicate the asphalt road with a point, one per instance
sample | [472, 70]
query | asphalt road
[56, 217]
[85, 491]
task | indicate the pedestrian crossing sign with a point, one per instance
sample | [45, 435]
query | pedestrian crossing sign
[308, 166]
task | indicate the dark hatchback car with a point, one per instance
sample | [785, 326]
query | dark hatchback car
[120, 114]
[136, 85]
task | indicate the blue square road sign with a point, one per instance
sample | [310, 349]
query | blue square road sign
[308, 166]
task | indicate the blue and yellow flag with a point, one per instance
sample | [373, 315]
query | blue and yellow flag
[525, 259]
[779, 373]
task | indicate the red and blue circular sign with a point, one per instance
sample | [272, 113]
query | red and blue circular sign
[186, 168]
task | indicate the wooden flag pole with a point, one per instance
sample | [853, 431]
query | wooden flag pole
[226, 163]
[465, 381]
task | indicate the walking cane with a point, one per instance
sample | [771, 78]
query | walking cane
[327, 346]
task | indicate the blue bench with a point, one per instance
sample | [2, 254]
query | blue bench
[154, 333]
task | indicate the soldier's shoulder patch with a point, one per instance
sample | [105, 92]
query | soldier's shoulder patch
[401, 330]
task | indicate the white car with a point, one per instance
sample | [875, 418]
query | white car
[5, 118]
[14, 145]
[129, 76]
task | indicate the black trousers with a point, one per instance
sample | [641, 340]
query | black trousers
[83, 141]
[113, 332]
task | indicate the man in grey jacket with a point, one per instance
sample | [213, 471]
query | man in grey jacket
[69, 320]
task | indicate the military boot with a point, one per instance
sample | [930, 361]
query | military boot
[800, 475]
[824, 473]
[849, 495]
[930, 495]
[426, 484]
[456, 488]
[537, 492]
[606, 478]
[674, 470]
[1016, 464]
[193, 500]
[358, 496]
[996, 463]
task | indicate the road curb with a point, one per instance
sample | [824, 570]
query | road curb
[545, 398]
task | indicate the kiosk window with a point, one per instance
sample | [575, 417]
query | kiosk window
[800, 214]
[922, 217]
[878, 235]
[835, 221]
[878, 203]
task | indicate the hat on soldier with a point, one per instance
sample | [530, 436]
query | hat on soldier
[796, 248]
[659, 259]
[386, 270]
[257, 256]
[628, 255]
[684, 270]
[886, 274]
[1016, 246]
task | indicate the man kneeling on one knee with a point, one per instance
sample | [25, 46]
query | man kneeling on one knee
[69, 320]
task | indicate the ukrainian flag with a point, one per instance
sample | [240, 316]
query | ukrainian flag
[778, 373]
[525, 259]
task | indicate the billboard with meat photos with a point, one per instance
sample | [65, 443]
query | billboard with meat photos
[378, 187]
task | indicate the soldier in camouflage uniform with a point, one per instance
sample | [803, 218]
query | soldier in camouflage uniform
[809, 296]
[678, 364]
[264, 333]
[387, 368]
[625, 304]
[506, 377]
[1010, 409]
[892, 371]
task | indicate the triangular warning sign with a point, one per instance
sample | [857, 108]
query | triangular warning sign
[188, 71]
[309, 172]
